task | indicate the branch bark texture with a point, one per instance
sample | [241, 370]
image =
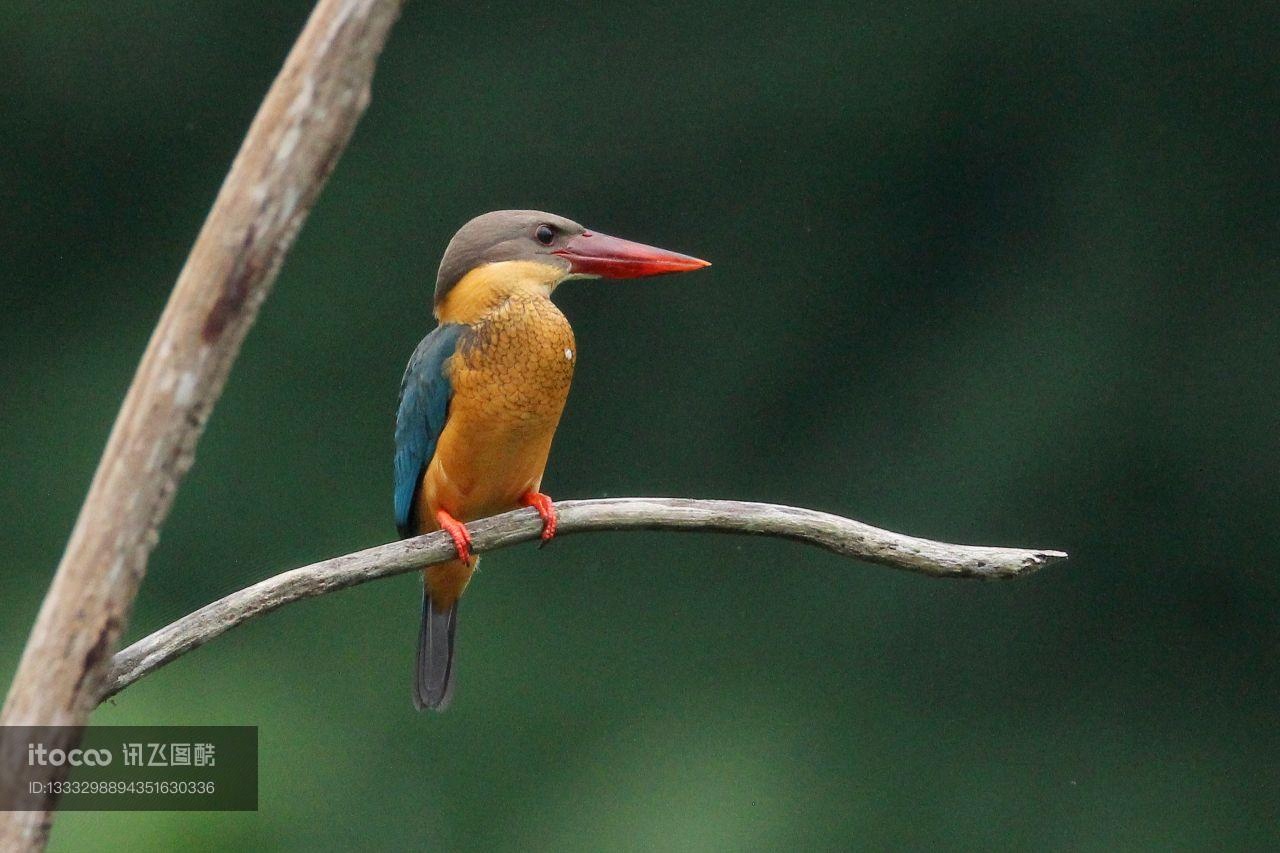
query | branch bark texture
[842, 536]
[300, 130]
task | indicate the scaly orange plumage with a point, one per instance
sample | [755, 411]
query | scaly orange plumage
[510, 379]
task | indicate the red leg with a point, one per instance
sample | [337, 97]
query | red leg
[547, 509]
[458, 533]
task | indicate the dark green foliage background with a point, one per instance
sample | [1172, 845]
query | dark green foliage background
[987, 272]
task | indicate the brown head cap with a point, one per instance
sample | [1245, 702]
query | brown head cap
[504, 235]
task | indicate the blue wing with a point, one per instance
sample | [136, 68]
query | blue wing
[424, 404]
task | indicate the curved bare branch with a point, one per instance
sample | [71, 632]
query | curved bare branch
[293, 144]
[834, 533]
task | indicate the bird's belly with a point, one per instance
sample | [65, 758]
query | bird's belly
[510, 385]
[488, 471]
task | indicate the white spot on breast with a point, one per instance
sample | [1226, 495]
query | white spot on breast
[568, 354]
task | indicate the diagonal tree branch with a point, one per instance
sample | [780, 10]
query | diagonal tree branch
[843, 536]
[296, 137]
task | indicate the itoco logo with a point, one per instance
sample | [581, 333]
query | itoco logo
[38, 754]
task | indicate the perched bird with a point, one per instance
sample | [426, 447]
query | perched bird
[483, 393]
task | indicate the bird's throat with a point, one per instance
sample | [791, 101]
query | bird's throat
[484, 288]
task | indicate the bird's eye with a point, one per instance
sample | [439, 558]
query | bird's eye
[545, 234]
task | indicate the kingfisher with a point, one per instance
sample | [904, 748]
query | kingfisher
[483, 393]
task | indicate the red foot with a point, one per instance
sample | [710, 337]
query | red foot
[458, 533]
[547, 509]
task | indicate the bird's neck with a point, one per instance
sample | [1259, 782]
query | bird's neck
[485, 288]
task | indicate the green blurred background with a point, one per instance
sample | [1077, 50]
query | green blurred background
[984, 272]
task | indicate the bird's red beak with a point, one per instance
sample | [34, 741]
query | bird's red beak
[590, 253]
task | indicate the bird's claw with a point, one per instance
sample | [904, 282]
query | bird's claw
[547, 510]
[458, 533]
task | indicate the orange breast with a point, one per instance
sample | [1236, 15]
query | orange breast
[510, 379]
